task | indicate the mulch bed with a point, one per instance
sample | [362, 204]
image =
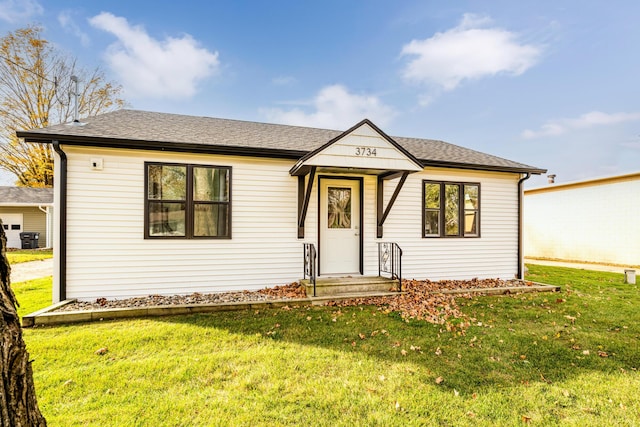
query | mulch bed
[420, 300]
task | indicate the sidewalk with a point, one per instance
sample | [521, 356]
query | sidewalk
[31, 270]
[581, 266]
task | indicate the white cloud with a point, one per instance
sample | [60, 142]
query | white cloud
[147, 67]
[587, 120]
[468, 51]
[334, 107]
[19, 10]
[67, 22]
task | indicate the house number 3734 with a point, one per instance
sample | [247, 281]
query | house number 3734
[366, 152]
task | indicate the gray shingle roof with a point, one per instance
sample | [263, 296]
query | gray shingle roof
[26, 196]
[135, 126]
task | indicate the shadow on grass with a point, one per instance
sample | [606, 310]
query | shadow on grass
[593, 325]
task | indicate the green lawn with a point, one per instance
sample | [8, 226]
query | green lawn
[26, 255]
[32, 295]
[568, 358]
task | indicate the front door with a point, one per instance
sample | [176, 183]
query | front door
[339, 226]
[12, 224]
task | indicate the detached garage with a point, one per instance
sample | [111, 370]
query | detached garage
[27, 210]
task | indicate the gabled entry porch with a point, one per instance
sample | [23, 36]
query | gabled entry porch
[342, 234]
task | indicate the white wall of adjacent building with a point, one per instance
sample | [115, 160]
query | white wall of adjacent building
[593, 221]
[108, 256]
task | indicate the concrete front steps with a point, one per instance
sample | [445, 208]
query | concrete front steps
[351, 285]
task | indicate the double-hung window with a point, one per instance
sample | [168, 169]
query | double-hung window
[187, 201]
[450, 209]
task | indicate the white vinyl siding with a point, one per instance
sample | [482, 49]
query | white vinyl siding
[493, 255]
[107, 255]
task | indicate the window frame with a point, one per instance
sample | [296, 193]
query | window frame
[190, 202]
[441, 210]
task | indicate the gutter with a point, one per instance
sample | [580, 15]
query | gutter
[62, 238]
[520, 199]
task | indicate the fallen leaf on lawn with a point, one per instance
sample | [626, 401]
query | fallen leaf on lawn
[398, 406]
[67, 382]
[308, 317]
[403, 352]
[415, 348]
[362, 336]
[603, 354]
[456, 392]
[101, 351]
[438, 351]
[526, 419]
[471, 414]
[439, 380]
[585, 352]
[522, 357]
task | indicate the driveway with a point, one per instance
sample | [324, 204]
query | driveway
[31, 270]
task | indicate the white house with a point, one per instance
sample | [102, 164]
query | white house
[594, 220]
[153, 203]
[27, 210]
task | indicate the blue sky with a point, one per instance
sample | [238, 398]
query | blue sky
[554, 84]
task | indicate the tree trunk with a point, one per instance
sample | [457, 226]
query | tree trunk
[18, 404]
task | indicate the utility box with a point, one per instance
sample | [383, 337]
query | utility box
[30, 240]
[630, 277]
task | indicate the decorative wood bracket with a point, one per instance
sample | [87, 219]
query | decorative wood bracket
[381, 212]
[304, 194]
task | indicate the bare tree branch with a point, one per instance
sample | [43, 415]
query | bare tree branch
[36, 91]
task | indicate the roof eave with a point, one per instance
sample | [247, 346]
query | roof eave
[38, 137]
[25, 205]
[470, 166]
[181, 147]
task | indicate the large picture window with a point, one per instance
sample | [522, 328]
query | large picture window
[187, 201]
[450, 209]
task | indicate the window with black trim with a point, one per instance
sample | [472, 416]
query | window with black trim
[450, 209]
[187, 201]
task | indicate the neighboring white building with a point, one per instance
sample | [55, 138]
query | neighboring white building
[595, 220]
[153, 203]
[27, 210]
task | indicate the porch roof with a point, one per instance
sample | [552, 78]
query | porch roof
[172, 132]
[363, 148]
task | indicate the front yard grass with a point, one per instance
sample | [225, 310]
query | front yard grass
[568, 358]
[26, 255]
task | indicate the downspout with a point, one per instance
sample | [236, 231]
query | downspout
[62, 238]
[520, 200]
